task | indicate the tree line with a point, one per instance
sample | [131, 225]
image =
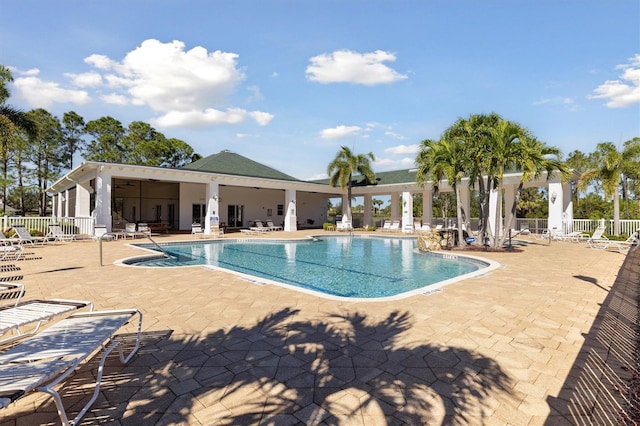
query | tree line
[36, 147]
[477, 151]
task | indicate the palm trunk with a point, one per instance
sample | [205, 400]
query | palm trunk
[512, 216]
[498, 235]
[459, 214]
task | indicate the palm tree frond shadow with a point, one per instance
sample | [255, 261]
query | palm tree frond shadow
[286, 370]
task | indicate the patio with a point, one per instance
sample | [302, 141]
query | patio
[217, 349]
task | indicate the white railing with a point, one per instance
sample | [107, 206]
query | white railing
[81, 226]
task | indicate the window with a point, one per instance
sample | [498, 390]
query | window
[280, 209]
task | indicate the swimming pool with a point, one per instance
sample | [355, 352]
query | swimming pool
[362, 267]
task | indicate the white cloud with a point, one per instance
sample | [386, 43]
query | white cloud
[43, 94]
[87, 79]
[345, 66]
[115, 99]
[394, 135]
[339, 132]
[208, 117]
[389, 164]
[318, 176]
[567, 102]
[624, 91]
[184, 87]
[403, 149]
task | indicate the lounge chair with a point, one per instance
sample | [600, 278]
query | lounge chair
[259, 227]
[623, 246]
[8, 240]
[386, 227]
[46, 359]
[10, 251]
[196, 230]
[144, 229]
[15, 314]
[273, 227]
[100, 233]
[24, 237]
[344, 226]
[598, 240]
[57, 234]
[395, 226]
[130, 230]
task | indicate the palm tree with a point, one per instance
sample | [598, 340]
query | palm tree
[443, 159]
[534, 158]
[475, 135]
[342, 168]
[607, 169]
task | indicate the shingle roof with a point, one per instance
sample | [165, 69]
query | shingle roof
[383, 178]
[230, 163]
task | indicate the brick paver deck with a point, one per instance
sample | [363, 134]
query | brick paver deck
[221, 350]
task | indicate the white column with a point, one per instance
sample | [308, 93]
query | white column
[65, 207]
[368, 210]
[556, 203]
[212, 218]
[83, 200]
[346, 210]
[407, 212]
[567, 206]
[494, 212]
[290, 218]
[465, 200]
[395, 206]
[103, 198]
[427, 205]
[509, 198]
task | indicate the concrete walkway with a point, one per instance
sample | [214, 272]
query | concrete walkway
[221, 350]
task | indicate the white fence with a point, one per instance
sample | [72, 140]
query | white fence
[81, 226]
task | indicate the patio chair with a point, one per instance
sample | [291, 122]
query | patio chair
[344, 226]
[24, 237]
[100, 233]
[8, 240]
[143, 228]
[57, 234]
[16, 316]
[46, 359]
[196, 230]
[273, 227]
[259, 227]
[10, 251]
[395, 226]
[130, 230]
[598, 240]
[386, 226]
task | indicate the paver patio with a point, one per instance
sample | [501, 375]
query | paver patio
[218, 349]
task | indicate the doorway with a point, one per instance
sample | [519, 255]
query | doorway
[235, 216]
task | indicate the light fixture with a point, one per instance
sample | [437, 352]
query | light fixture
[216, 198]
[553, 197]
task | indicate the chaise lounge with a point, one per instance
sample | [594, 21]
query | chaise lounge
[45, 360]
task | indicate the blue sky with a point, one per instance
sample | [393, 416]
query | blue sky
[288, 82]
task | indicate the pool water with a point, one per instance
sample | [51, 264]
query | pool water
[340, 266]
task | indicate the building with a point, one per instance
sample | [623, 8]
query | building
[234, 191]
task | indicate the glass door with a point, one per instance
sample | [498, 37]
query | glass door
[235, 216]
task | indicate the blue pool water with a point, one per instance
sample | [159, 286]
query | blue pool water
[342, 266]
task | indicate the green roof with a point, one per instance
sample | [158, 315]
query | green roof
[383, 178]
[229, 163]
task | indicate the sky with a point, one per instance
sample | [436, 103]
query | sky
[288, 82]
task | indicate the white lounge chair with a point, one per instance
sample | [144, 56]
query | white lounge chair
[10, 251]
[33, 313]
[24, 237]
[57, 234]
[259, 227]
[598, 240]
[100, 233]
[130, 230]
[273, 227]
[344, 226]
[386, 227]
[196, 230]
[143, 228]
[395, 226]
[45, 360]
